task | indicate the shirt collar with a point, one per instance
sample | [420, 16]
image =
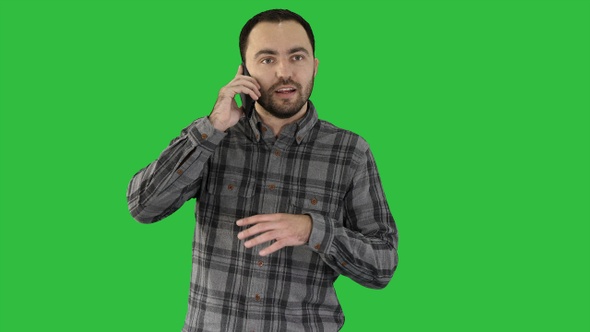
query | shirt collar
[302, 126]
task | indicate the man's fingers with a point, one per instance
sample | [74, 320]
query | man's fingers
[245, 87]
[226, 113]
[249, 82]
[253, 80]
[272, 248]
[257, 219]
[262, 238]
[256, 229]
[285, 229]
[240, 76]
[252, 92]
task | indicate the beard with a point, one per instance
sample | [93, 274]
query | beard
[283, 108]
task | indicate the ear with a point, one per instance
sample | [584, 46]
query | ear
[315, 67]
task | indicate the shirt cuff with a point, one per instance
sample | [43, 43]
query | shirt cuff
[201, 132]
[322, 234]
[203, 139]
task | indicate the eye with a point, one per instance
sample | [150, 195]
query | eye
[298, 57]
[267, 61]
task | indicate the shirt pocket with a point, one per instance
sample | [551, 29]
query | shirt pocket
[231, 187]
[230, 197]
[323, 202]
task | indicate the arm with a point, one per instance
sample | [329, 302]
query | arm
[365, 249]
[162, 187]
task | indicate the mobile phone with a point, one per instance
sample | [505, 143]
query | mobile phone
[247, 101]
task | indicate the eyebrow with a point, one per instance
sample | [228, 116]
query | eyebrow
[274, 52]
[298, 49]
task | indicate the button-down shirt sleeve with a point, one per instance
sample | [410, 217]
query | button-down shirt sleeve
[175, 177]
[364, 248]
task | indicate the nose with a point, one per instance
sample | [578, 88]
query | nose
[284, 70]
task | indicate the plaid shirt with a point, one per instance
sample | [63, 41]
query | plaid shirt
[312, 168]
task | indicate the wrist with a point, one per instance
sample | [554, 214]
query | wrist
[215, 123]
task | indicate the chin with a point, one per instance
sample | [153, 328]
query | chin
[283, 114]
[284, 111]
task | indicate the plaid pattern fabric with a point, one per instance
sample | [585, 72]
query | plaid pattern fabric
[312, 168]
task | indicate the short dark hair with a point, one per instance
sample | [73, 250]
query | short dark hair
[274, 16]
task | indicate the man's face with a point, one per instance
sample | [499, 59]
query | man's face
[279, 56]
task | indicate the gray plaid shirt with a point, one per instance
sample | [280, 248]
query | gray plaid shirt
[312, 168]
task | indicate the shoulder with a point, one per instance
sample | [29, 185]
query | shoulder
[344, 140]
[327, 129]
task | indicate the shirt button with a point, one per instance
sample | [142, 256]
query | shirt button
[264, 129]
[271, 187]
[179, 172]
[204, 136]
[299, 138]
[257, 137]
[257, 297]
[230, 186]
[314, 201]
[317, 246]
[343, 264]
[260, 263]
[277, 153]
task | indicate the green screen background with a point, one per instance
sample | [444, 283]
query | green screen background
[477, 113]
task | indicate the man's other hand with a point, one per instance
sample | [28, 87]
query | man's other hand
[285, 229]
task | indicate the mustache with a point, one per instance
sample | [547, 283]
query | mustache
[285, 82]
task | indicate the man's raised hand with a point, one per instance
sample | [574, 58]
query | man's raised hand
[226, 112]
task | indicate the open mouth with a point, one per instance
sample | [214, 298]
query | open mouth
[286, 91]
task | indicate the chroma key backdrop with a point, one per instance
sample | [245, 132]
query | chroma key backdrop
[477, 112]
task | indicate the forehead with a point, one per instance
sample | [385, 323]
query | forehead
[281, 37]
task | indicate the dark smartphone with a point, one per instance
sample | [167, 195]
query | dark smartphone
[247, 101]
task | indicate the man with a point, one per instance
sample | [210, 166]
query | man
[285, 202]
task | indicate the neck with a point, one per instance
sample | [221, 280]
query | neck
[277, 124]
